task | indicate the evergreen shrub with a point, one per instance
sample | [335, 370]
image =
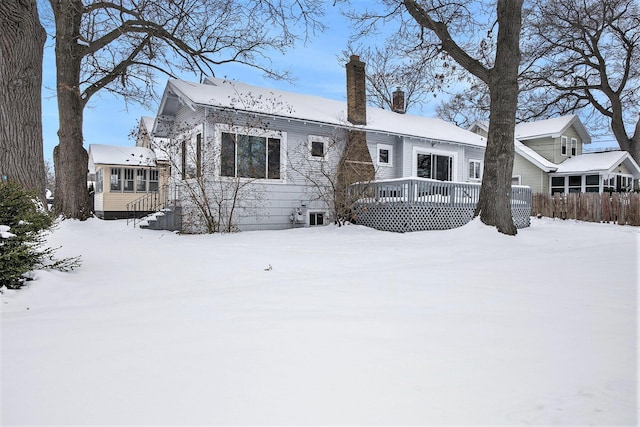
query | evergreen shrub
[24, 222]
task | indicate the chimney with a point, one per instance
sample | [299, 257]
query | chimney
[356, 92]
[397, 102]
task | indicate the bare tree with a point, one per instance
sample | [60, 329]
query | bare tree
[585, 55]
[21, 48]
[394, 67]
[120, 45]
[453, 27]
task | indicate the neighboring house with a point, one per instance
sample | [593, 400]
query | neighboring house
[282, 144]
[123, 175]
[549, 158]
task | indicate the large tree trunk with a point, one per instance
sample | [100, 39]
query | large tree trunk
[494, 204]
[22, 41]
[631, 145]
[69, 157]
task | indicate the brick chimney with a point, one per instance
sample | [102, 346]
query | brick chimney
[397, 101]
[356, 92]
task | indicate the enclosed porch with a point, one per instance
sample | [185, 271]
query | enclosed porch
[417, 204]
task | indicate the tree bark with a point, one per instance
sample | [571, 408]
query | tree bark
[494, 204]
[22, 41]
[69, 157]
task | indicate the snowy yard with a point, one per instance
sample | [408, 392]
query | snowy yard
[349, 326]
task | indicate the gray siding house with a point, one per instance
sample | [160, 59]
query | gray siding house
[549, 158]
[277, 151]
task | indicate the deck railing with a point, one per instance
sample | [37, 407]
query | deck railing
[415, 204]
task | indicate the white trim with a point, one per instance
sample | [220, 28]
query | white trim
[564, 141]
[481, 167]
[325, 148]
[518, 177]
[574, 144]
[387, 147]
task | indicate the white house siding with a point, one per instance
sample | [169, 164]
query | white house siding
[383, 171]
[530, 175]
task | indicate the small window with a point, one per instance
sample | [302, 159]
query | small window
[574, 147]
[99, 180]
[475, 170]
[128, 179]
[316, 218]
[317, 149]
[141, 180]
[516, 180]
[153, 180]
[592, 184]
[575, 183]
[557, 184]
[115, 183]
[563, 145]
[385, 155]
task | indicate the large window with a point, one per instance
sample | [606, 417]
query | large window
[141, 180]
[250, 156]
[128, 180]
[434, 166]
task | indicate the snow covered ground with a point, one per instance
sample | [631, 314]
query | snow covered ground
[349, 326]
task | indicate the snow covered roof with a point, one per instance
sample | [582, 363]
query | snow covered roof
[147, 122]
[223, 93]
[535, 158]
[553, 127]
[599, 162]
[100, 154]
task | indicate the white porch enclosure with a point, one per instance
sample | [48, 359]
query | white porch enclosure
[417, 204]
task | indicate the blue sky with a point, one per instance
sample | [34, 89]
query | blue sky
[108, 120]
[314, 66]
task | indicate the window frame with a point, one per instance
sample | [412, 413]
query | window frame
[315, 215]
[99, 180]
[453, 162]
[390, 158]
[574, 147]
[118, 180]
[477, 169]
[563, 145]
[269, 137]
[324, 140]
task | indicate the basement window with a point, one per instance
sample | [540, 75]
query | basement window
[316, 218]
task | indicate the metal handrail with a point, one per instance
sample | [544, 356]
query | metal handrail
[150, 202]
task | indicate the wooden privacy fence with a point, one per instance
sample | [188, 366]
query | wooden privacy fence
[621, 208]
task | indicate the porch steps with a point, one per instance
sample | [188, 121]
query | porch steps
[168, 218]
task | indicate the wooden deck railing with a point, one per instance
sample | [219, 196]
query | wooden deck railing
[414, 204]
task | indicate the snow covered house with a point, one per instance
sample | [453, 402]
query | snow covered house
[278, 149]
[124, 175]
[550, 159]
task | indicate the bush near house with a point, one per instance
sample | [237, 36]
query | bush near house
[23, 223]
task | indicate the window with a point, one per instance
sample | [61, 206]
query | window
[99, 180]
[516, 180]
[183, 169]
[624, 183]
[247, 156]
[317, 149]
[434, 166]
[153, 180]
[574, 147]
[115, 183]
[199, 155]
[563, 145]
[141, 180]
[557, 184]
[575, 184]
[316, 218]
[128, 180]
[385, 155]
[475, 170]
[592, 184]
